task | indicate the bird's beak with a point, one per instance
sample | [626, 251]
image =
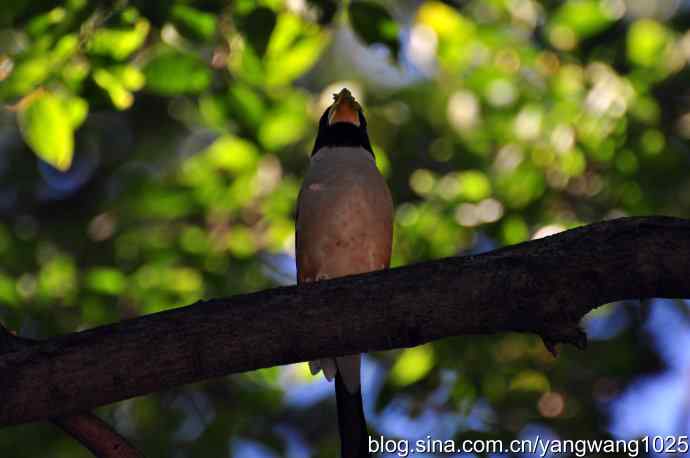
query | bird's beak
[344, 109]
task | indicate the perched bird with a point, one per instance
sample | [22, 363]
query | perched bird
[344, 227]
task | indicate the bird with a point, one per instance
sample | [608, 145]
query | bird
[344, 226]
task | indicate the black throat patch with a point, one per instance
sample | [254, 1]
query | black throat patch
[342, 134]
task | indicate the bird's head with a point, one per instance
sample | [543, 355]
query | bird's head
[343, 124]
[344, 109]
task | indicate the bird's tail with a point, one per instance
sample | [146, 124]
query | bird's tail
[354, 437]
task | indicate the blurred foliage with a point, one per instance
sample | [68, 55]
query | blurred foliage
[151, 154]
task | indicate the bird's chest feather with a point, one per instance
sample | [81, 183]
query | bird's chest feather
[344, 223]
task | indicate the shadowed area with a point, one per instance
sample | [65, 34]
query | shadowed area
[151, 154]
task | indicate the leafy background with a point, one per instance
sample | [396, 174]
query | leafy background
[151, 153]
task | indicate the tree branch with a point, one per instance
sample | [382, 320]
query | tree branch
[96, 435]
[543, 286]
[86, 428]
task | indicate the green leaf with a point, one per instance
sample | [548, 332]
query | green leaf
[296, 62]
[246, 104]
[73, 74]
[8, 290]
[77, 109]
[106, 280]
[119, 43]
[287, 31]
[118, 81]
[293, 49]
[119, 95]
[521, 187]
[26, 76]
[233, 154]
[194, 22]
[373, 24]
[383, 163]
[474, 185]
[445, 21]
[646, 42]
[130, 76]
[64, 48]
[241, 242]
[456, 34]
[284, 124]
[171, 72]
[247, 65]
[572, 163]
[514, 230]
[163, 204]
[40, 25]
[47, 128]
[584, 17]
[530, 380]
[58, 277]
[413, 365]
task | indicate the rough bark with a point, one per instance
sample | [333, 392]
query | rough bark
[543, 286]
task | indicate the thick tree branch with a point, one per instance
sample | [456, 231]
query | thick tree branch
[544, 286]
[86, 428]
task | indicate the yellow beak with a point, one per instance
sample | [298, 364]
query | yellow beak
[344, 109]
